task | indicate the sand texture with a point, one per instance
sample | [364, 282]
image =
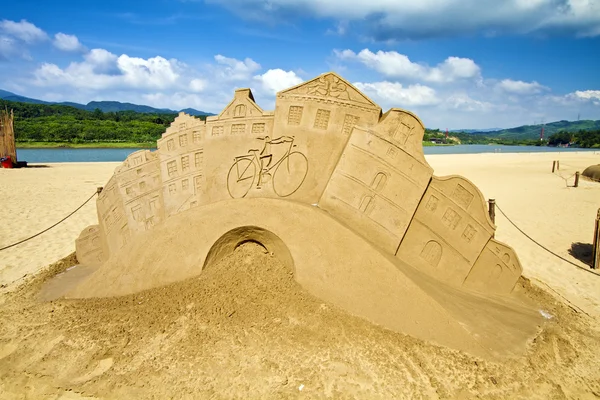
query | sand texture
[34, 199]
[245, 328]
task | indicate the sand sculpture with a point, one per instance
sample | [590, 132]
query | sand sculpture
[336, 189]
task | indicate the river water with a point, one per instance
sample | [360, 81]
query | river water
[102, 155]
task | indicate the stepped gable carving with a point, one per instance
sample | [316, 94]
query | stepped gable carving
[330, 87]
[326, 145]
[497, 269]
[452, 213]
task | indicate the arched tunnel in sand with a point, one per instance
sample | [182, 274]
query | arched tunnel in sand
[335, 189]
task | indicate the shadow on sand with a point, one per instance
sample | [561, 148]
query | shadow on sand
[582, 252]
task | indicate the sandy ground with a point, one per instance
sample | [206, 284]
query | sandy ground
[34, 199]
[245, 329]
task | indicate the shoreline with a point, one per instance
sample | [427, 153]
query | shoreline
[94, 145]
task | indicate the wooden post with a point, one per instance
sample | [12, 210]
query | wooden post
[596, 252]
[7, 136]
[553, 166]
[577, 179]
[492, 209]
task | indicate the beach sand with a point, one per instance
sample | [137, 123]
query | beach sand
[245, 329]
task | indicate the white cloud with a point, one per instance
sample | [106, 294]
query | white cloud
[389, 19]
[102, 69]
[198, 85]
[394, 64]
[395, 93]
[275, 80]
[585, 94]
[233, 69]
[23, 30]
[520, 87]
[66, 42]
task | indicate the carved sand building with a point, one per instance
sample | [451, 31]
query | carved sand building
[326, 153]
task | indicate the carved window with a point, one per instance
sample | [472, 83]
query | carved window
[136, 211]
[295, 115]
[137, 160]
[391, 153]
[172, 188]
[239, 110]
[349, 122]
[198, 159]
[322, 119]
[170, 145]
[451, 218]
[462, 196]
[129, 190]
[183, 140]
[237, 129]
[432, 253]
[217, 130]
[185, 163]
[432, 203]
[182, 125]
[257, 129]
[172, 167]
[197, 136]
[185, 184]
[366, 204]
[193, 203]
[149, 223]
[405, 130]
[139, 171]
[142, 185]
[469, 233]
[379, 181]
[154, 204]
[198, 183]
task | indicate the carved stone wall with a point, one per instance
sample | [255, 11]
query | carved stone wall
[449, 230]
[327, 145]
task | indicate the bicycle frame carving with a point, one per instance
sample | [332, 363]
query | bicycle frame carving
[285, 174]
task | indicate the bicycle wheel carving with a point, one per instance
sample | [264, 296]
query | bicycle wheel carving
[290, 174]
[241, 178]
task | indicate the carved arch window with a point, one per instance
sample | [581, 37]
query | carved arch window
[379, 181]
[432, 253]
[239, 110]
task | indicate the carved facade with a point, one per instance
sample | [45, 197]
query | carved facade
[326, 144]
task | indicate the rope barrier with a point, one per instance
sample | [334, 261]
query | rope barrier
[542, 246]
[59, 222]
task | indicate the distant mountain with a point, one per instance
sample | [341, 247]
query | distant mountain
[476, 130]
[533, 131]
[104, 106]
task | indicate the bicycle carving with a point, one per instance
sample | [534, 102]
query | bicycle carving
[285, 174]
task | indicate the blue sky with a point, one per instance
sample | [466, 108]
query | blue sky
[456, 63]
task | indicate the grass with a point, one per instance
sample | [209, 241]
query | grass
[89, 145]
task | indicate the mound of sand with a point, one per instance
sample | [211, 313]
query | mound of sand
[245, 329]
[592, 172]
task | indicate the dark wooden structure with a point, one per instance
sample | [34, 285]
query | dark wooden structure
[7, 136]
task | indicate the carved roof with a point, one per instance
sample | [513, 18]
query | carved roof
[242, 104]
[330, 86]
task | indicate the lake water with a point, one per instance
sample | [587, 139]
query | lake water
[100, 155]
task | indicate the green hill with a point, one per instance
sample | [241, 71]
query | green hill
[532, 132]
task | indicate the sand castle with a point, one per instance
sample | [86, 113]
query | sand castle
[336, 189]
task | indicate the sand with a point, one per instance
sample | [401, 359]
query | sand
[246, 329]
[33, 199]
